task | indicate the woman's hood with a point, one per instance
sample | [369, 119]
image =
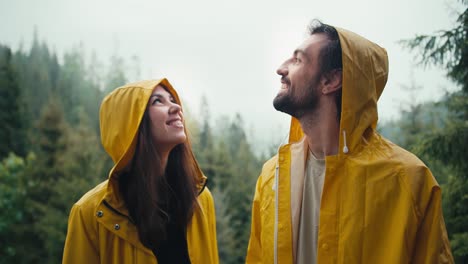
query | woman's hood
[120, 116]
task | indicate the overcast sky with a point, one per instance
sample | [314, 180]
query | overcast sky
[230, 50]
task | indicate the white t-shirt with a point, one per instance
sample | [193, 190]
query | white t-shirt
[310, 210]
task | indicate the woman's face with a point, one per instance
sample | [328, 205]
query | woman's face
[167, 126]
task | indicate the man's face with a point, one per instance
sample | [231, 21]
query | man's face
[300, 78]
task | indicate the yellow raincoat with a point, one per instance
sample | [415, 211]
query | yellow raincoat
[380, 203]
[99, 230]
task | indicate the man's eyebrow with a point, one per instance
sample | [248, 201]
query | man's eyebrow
[300, 51]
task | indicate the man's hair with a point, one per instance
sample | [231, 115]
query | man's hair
[330, 57]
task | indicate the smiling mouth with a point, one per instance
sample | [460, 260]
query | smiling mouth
[175, 123]
[284, 83]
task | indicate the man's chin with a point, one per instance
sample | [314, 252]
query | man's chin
[282, 103]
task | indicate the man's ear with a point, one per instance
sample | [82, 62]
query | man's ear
[331, 81]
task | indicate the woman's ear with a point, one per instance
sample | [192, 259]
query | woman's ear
[331, 81]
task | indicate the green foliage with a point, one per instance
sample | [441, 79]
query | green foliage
[55, 107]
[116, 74]
[446, 48]
[456, 215]
[58, 109]
[13, 194]
[449, 49]
[11, 134]
[226, 158]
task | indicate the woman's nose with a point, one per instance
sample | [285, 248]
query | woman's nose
[175, 108]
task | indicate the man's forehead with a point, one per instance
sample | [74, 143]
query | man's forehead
[313, 43]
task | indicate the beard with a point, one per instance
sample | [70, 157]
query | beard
[297, 105]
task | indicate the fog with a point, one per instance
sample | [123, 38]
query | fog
[229, 50]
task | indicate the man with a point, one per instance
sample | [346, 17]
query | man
[339, 192]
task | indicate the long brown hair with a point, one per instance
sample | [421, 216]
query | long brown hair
[154, 195]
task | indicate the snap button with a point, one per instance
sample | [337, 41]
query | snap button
[116, 226]
[325, 246]
[99, 214]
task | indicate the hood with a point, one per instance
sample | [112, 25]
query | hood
[365, 72]
[120, 116]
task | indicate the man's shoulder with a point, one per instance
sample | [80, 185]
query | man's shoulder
[404, 158]
[268, 171]
[408, 166]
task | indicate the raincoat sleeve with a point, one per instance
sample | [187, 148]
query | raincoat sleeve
[81, 242]
[432, 245]
[254, 250]
[212, 226]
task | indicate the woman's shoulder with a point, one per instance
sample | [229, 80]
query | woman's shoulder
[205, 194]
[93, 197]
[205, 198]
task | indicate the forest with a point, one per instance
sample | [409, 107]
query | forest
[50, 150]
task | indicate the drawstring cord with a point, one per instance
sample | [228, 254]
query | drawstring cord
[345, 148]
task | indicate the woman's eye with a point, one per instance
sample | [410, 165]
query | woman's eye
[157, 100]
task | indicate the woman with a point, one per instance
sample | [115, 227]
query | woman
[154, 208]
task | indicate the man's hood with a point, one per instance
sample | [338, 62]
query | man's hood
[365, 72]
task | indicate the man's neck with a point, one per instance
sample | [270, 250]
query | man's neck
[322, 131]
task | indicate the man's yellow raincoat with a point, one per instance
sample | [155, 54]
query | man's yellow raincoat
[99, 229]
[380, 204]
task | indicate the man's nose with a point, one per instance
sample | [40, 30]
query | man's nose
[282, 70]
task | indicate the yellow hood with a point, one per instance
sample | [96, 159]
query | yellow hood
[365, 72]
[120, 116]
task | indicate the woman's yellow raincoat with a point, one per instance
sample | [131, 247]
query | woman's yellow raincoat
[380, 204]
[99, 229]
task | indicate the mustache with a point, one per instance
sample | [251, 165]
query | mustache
[285, 79]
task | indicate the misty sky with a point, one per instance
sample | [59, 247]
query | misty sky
[230, 50]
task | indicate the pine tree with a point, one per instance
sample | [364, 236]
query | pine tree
[13, 219]
[51, 144]
[449, 49]
[12, 136]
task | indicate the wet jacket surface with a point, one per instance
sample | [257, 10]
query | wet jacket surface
[380, 203]
[99, 228]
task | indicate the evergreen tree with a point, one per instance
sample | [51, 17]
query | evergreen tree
[12, 138]
[81, 168]
[51, 142]
[239, 174]
[13, 219]
[449, 49]
[65, 161]
[116, 74]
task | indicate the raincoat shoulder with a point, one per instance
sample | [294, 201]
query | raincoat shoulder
[267, 174]
[82, 238]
